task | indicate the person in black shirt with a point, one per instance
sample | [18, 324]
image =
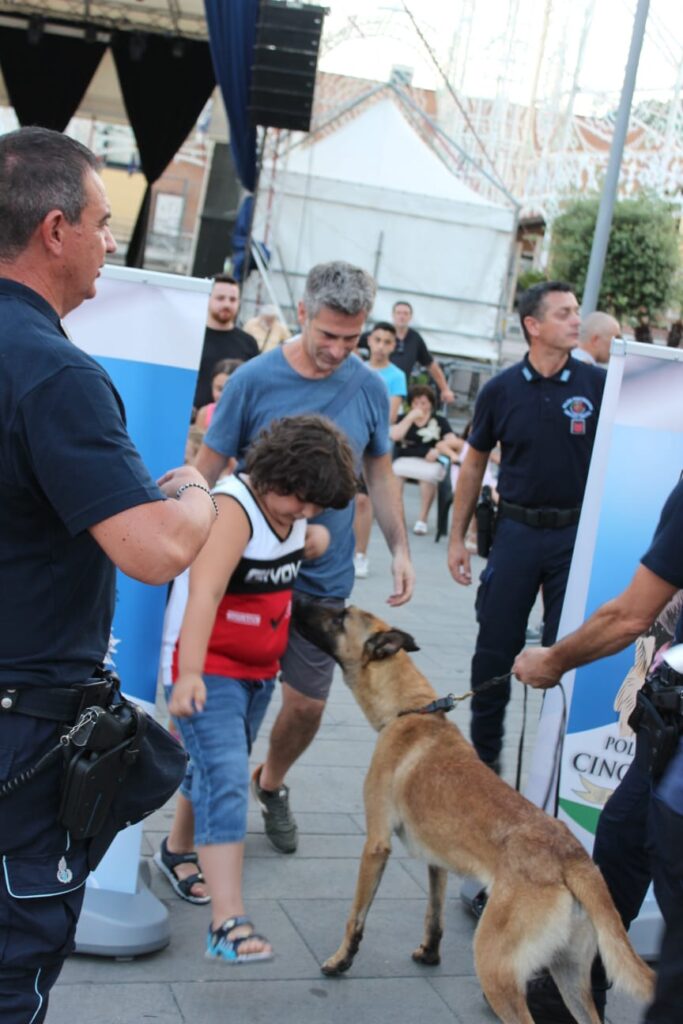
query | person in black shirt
[222, 340]
[77, 501]
[411, 349]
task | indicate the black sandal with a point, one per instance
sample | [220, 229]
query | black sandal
[167, 862]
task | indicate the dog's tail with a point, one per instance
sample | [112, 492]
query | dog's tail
[623, 965]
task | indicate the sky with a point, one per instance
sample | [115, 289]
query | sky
[494, 45]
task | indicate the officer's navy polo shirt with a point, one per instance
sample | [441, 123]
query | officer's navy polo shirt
[66, 463]
[664, 557]
[546, 428]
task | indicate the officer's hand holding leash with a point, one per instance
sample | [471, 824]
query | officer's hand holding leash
[535, 667]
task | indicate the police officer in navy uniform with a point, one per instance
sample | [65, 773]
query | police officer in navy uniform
[640, 832]
[76, 501]
[543, 411]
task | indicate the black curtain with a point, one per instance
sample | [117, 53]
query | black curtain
[165, 83]
[46, 79]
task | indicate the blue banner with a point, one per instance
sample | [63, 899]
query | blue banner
[147, 330]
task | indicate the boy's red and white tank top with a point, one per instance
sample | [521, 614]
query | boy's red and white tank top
[251, 627]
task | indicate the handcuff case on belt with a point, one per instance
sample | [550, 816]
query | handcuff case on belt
[657, 720]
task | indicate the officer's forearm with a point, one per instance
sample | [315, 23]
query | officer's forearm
[614, 625]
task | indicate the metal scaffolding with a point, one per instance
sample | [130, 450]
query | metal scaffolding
[513, 95]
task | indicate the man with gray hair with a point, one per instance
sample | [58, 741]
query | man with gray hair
[595, 338]
[317, 372]
[77, 501]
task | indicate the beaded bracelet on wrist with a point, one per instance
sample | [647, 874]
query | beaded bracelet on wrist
[201, 487]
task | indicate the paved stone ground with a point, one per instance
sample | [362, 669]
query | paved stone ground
[301, 902]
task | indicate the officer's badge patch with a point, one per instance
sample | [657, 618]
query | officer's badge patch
[578, 409]
[64, 873]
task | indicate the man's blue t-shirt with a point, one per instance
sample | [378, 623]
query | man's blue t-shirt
[664, 557]
[66, 463]
[266, 389]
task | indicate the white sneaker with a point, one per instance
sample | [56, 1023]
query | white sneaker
[420, 528]
[361, 566]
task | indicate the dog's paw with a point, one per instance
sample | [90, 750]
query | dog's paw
[428, 957]
[334, 966]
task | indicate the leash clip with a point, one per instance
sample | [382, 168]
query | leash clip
[80, 733]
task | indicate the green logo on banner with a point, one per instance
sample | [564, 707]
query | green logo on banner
[586, 817]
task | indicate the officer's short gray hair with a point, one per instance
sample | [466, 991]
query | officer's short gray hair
[339, 286]
[40, 171]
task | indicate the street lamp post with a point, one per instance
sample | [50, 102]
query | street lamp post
[609, 192]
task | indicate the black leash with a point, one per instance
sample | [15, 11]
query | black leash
[448, 702]
[557, 759]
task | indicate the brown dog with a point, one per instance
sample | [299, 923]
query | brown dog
[548, 905]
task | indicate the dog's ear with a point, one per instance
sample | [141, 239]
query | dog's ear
[388, 643]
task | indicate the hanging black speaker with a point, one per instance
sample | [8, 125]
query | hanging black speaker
[285, 61]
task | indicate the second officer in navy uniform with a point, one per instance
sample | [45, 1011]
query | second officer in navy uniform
[543, 411]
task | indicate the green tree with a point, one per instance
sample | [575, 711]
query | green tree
[642, 255]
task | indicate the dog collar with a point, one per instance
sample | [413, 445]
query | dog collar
[442, 704]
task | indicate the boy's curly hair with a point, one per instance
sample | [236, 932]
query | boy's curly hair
[303, 455]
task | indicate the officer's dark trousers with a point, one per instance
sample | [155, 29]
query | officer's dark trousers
[639, 839]
[42, 875]
[522, 560]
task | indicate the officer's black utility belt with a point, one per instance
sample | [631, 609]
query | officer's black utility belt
[54, 703]
[542, 518]
[118, 765]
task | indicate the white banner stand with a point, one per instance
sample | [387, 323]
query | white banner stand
[147, 330]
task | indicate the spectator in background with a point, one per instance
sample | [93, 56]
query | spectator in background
[595, 338]
[411, 349]
[675, 335]
[222, 339]
[381, 342]
[642, 331]
[267, 329]
[220, 375]
[425, 444]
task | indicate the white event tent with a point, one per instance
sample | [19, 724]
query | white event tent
[367, 188]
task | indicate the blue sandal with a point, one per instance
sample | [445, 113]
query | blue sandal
[167, 862]
[220, 947]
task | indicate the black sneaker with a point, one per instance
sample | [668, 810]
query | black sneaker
[546, 1005]
[280, 826]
